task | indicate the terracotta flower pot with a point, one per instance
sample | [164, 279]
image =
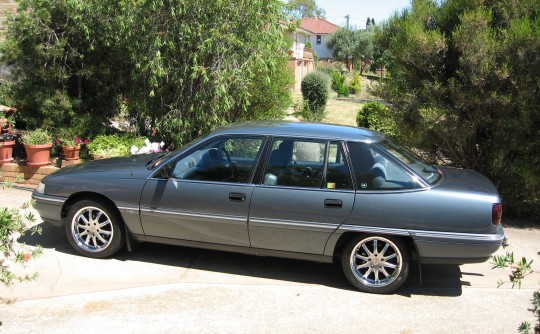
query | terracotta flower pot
[6, 151]
[38, 155]
[71, 152]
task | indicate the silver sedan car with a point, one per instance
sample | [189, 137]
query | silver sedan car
[306, 191]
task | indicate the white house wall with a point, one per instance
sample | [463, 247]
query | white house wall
[322, 49]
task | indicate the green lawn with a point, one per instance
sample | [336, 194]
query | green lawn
[341, 112]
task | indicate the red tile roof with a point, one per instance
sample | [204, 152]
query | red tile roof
[318, 26]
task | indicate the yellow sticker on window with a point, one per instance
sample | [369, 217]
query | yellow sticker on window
[331, 185]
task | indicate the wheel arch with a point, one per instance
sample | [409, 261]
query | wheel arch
[88, 195]
[348, 235]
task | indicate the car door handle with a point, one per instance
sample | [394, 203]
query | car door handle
[237, 197]
[333, 203]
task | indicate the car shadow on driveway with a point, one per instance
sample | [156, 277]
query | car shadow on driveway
[437, 280]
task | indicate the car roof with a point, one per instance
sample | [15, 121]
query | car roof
[301, 129]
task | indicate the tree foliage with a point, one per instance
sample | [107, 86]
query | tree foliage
[465, 78]
[176, 66]
[297, 9]
[353, 45]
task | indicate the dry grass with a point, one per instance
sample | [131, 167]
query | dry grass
[342, 112]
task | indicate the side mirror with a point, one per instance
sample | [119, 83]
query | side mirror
[270, 179]
[165, 172]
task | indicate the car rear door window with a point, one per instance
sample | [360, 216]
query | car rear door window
[301, 163]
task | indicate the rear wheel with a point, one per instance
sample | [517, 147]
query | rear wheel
[94, 229]
[376, 264]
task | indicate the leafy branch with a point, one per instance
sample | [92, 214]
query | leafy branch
[13, 225]
[520, 270]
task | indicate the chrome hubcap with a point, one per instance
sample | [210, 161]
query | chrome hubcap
[376, 261]
[92, 229]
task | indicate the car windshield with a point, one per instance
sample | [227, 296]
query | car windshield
[428, 172]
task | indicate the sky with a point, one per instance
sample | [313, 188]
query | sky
[360, 10]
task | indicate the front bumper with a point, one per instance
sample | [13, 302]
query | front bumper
[49, 208]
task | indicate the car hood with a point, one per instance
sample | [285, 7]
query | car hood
[465, 180]
[132, 166]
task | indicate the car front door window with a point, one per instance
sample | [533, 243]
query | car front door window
[221, 160]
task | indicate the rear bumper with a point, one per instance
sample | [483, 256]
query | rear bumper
[49, 208]
[457, 248]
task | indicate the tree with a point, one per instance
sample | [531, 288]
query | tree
[370, 22]
[352, 45]
[176, 66]
[61, 67]
[464, 85]
[212, 81]
[297, 9]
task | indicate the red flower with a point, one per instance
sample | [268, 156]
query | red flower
[86, 142]
[27, 256]
[77, 140]
[58, 141]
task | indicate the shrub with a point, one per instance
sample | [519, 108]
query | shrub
[329, 68]
[114, 145]
[315, 90]
[464, 80]
[374, 115]
[356, 84]
[338, 84]
[309, 48]
[13, 225]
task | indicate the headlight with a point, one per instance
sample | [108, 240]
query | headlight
[40, 188]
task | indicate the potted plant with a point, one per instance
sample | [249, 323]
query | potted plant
[71, 145]
[7, 120]
[7, 141]
[37, 144]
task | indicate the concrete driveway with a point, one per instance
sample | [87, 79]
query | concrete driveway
[159, 288]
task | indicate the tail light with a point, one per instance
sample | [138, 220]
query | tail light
[496, 214]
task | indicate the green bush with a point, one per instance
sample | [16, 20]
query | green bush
[14, 224]
[464, 86]
[338, 84]
[330, 68]
[309, 48]
[374, 115]
[355, 85]
[315, 90]
[113, 145]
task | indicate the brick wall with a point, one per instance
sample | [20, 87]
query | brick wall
[6, 6]
[301, 67]
[30, 176]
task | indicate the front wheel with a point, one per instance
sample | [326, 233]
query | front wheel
[376, 264]
[94, 229]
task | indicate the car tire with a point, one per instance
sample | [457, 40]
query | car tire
[95, 229]
[376, 264]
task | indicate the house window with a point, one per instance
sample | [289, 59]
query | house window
[318, 39]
